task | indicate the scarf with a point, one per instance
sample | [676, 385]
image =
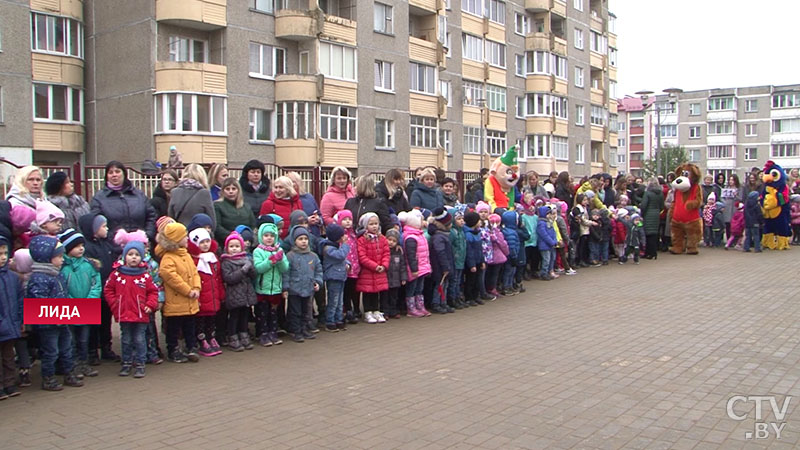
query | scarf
[190, 183]
[299, 250]
[115, 188]
[268, 248]
[234, 256]
[204, 261]
[127, 270]
[45, 268]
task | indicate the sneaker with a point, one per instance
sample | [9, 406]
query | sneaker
[298, 338]
[596, 264]
[138, 371]
[265, 340]
[480, 300]
[205, 349]
[508, 293]
[472, 303]
[177, 356]
[636, 262]
[125, 370]
[3, 395]
[449, 309]
[605, 263]
[72, 381]
[572, 272]
[51, 384]
[438, 309]
[309, 335]
[234, 344]
[94, 360]
[332, 328]
[215, 346]
[351, 318]
[312, 328]
[155, 361]
[86, 370]
[12, 391]
[109, 355]
[191, 355]
[341, 326]
[369, 318]
[24, 377]
[379, 316]
[275, 339]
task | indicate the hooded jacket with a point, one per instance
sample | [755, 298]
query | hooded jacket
[304, 271]
[509, 221]
[333, 201]
[396, 202]
[160, 201]
[595, 202]
[651, 206]
[334, 260]
[546, 238]
[360, 205]
[795, 213]
[127, 208]
[254, 197]
[282, 207]
[83, 280]
[474, 253]
[128, 291]
[102, 250]
[737, 223]
[11, 297]
[635, 236]
[212, 294]
[499, 246]
[239, 274]
[441, 251]
[373, 251]
[73, 208]
[458, 241]
[531, 222]
[229, 217]
[179, 274]
[427, 198]
[619, 232]
[753, 215]
[397, 273]
[270, 262]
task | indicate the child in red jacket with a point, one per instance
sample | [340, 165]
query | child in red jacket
[373, 256]
[619, 232]
[132, 297]
[212, 292]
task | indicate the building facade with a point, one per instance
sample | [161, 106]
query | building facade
[367, 84]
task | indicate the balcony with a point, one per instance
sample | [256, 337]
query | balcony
[559, 46]
[636, 147]
[198, 14]
[423, 51]
[547, 42]
[535, 6]
[298, 152]
[539, 125]
[597, 60]
[301, 88]
[72, 9]
[57, 69]
[636, 164]
[597, 96]
[427, 5]
[57, 137]
[597, 23]
[597, 133]
[194, 147]
[560, 86]
[423, 105]
[716, 116]
[335, 28]
[559, 7]
[339, 91]
[636, 131]
[298, 25]
[191, 77]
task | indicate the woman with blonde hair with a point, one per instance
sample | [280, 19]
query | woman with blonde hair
[427, 195]
[282, 200]
[310, 206]
[217, 173]
[366, 200]
[231, 211]
[337, 194]
[392, 191]
[191, 196]
[27, 187]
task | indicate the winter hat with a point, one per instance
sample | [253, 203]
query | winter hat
[482, 206]
[341, 215]
[412, 218]
[426, 213]
[55, 182]
[297, 232]
[589, 194]
[795, 197]
[549, 188]
[334, 232]
[23, 260]
[623, 196]
[199, 235]
[753, 194]
[135, 245]
[393, 233]
[494, 218]
[44, 248]
[98, 221]
[364, 220]
[740, 205]
[471, 219]
[70, 239]
[22, 217]
[712, 197]
[622, 213]
[47, 212]
[635, 216]
[276, 219]
[719, 205]
[595, 212]
[442, 216]
[245, 232]
[162, 222]
[544, 211]
[394, 220]
[175, 231]
[122, 237]
[199, 221]
[296, 216]
[234, 236]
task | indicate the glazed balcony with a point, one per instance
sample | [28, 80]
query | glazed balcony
[194, 147]
[546, 41]
[198, 14]
[535, 6]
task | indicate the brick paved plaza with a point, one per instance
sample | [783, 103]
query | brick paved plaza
[637, 357]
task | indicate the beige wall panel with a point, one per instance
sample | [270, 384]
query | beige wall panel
[339, 154]
[612, 139]
[596, 24]
[561, 127]
[339, 29]
[430, 5]
[597, 133]
[296, 88]
[424, 157]
[538, 5]
[539, 125]
[193, 77]
[472, 163]
[613, 107]
[58, 137]
[497, 76]
[57, 69]
[296, 152]
[69, 8]
[497, 121]
[340, 92]
[560, 86]
[559, 7]
[537, 41]
[539, 83]
[212, 12]
[496, 32]
[596, 96]
[293, 24]
[206, 149]
[423, 105]
[612, 73]
[471, 24]
[472, 70]
[472, 117]
[612, 40]
[596, 60]
[559, 46]
[540, 165]
[422, 51]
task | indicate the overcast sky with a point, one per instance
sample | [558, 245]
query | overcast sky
[705, 44]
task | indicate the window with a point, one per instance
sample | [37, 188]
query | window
[472, 47]
[190, 113]
[522, 24]
[54, 34]
[578, 4]
[57, 103]
[612, 90]
[720, 103]
[786, 126]
[788, 100]
[596, 154]
[579, 77]
[496, 53]
[538, 146]
[560, 148]
[495, 142]
[694, 132]
[446, 91]
[474, 7]
[785, 150]
[750, 154]
[338, 123]
[598, 116]
[472, 141]
[266, 61]
[537, 62]
[621, 142]
[538, 105]
[580, 153]
[578, 38]
[473, 93]
[519, 65]
[384, 76]
[621, 159]
[559, 107]
[694, 109]
[751, 129]
[423, 132]
[496, 97]
[337, 61]
[579, 118]
[613, 158]
[496, 11]
[260, 125]
[751, 105]
[597, 42]
[295, 120]
[383, 18]
[559, 66]
[613, 124]
[304, 63]
[612, 57]
[725, 127]
[187, 50]
[448, 44]
[621, 126]
[423, 78]
[694, 154]
[446, 141]
[384, 134]
[669, 130]
[267, 6]
[519, 107]
[720, 151]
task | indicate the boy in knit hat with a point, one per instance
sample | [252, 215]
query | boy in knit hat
[459, 243]
[10, 321]
[473, 260]
[442, 265]
[83, 281]
[300, 282]
[55, 341]
[49, 219]
[334, 250]
[181, 291]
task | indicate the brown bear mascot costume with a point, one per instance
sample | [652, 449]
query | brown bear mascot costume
[687, 226]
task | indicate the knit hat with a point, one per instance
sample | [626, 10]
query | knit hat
[393, 233]
[510, 157]
[175, 231]
[426, 213]
[622, 213]
[482, 206]
[471, 219]
[297, 232]
[162, 222]
[365, 218]
[71, 238]
[199, 235]
[296, 216]
[23, 260]
[394, 220]
[122, 237]
[719, 205]
[135, 245]
[199, 221]
[753, 194]
[245, 232]
[262, 219]
[549, 188]
[341, 215]
[234, 236]
[494, 218]
[98, 221]
[276, 219]
[635, 216]
[334, 232]
[55, 182]
[589, 194]
[47, 212]
[794, 197]
[595, 212]
[412, 218]
[712, 197]
[21, 218]
[44, 248]
[442, 216]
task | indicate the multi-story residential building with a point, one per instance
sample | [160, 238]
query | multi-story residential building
[367, 84]
[723, 130]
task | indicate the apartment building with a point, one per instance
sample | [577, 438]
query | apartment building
[367, 84]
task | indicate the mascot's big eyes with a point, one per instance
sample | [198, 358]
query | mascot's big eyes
[685, 173]
[776, 174]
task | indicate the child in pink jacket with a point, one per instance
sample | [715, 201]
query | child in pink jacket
[499, 254]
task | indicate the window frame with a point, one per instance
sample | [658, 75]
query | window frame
[751, 153]
[387, 21]
[66, 34]
[694, 109]
[414, 79]
[472, 136]
[519, 107]
[446, 141]
[525, 24]
[496, 53]
[274, 53]
[496, 142]
[380, 65]
[69, 103]
[446, 91]
[579, 43]
[751, 129]
[190, 49]
[388, 127]
[560, 148]
[494, 13]
[496, 98]
[593, 116]
[580, 153]
[785, 150]
[270, 6]
[695, 132]
[469, 47]
[726, 130]
[425, 131]
[161, 99]
[747, 105]
[720, 152]
[478, 88]
[786, 100]
[579, 77]
[331, 48]
[716, 104]
[328, 118]
[542, 142]
[578, 5]
[254, 122]
[295, 130]
[467, 7]
[580, 115]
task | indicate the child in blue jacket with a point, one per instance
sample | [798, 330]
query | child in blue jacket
[10, 321]
[509, 222]
[334, 250]
[546, 236]
[474, 264]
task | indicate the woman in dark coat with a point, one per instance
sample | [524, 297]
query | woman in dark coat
[160, 200]
[391, 191]
[366, 200]
[122, 204]
[191, 196]
[255, 185]
[651, 206]
[564, 191]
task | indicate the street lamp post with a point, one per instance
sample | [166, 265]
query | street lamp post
[672, 94]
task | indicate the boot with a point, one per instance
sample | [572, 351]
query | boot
[234, 344]
[453, 303]
[273, 330]
[138, 370]
[94, 360]
[273, 336]
[51, 384]
[72, 380]
[125, 370]
[244, 339]
[24, 377]
[215, 346]
[420, 303]
[85, 369]
[412, 308]
[264, 340]
[205, 349]
[107, 354]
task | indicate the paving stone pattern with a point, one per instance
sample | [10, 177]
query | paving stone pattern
[616, 357]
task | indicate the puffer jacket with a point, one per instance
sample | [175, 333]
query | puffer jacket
[179, 273]
[397, 272]
[737, 223]
[333, 201]
[46, 282]
[499, 247]
[127, 208]
[651, 206]
[128, 291]
[546, 239]
[360, 205]
[160, 201]
[459, 243]
[428, 198]
[474, 255]
[417, 253]
[6, 225]
[238, 273]
[83, 280]
[594, 203]
[352, 257]
[753, 215]
[11, 299]
[189, 198]
[270, 263]
[103, 251]
[441, 251]
[373, 251]
[73, 208]
[229, 217]
[509, 221]
[282, 207]
[619, 231]
[334, 260]
[635, 236]
[396, 202]
[305, 269]
[310, 207]
[212, 294]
